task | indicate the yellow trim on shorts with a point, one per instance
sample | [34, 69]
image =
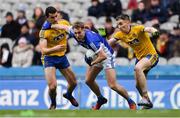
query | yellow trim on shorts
[42, 59]
[153, 59]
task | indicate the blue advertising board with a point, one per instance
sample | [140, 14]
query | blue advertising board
[33, 93]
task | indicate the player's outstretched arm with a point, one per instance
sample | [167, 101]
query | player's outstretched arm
[150, 29]
[112, 42]
[155, 33]
[61, 27]
[45, 50]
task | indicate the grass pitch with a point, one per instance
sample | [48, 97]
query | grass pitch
[89, 113]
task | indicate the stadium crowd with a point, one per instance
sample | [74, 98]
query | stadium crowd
[20, 32]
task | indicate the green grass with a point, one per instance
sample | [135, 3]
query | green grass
[90, 113]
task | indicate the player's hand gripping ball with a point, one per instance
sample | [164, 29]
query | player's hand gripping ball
[90, 56]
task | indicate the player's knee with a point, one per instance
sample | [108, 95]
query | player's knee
[112, 85]
[137, 69]
[88, 82]
[52, 87]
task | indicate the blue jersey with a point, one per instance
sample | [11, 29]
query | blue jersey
[94, 42]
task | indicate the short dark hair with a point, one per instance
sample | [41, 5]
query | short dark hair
[9, 14]
[123, 17]
[25, 25]
[108, 20]
[78, 25]
[50, 10]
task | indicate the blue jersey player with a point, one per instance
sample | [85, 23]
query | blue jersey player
[105, 59]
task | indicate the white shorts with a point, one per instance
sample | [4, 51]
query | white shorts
[108, 63]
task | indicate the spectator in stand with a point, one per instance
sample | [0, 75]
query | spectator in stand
[5, 55]
[38, 17]
[90, 25]
[37, 52]
[163, 44]
[22, 54]
[166, 3]
[33, 31]
[176, 49]
[11, 29]
[175, 8]
[175, 34]
[109, 29]
[175, 42]
[96, 9]
[112, 8]
[157, 14]
[21, 17]
[132, 4]
[140, 14]
[25, 33]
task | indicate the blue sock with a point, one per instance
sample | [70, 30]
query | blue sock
[53, 101]
[52, 95]
[100, 97]
[68, 94]
[130, 101]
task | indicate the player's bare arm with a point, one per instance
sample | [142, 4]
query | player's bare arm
[112, 41]
[45, 50]
[150, 29]
[153, 31]
[60, 27]
[101, 56]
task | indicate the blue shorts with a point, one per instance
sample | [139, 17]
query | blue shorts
[154, 59]
[56, 61]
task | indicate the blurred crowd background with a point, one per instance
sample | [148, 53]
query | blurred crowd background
[21, 21]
